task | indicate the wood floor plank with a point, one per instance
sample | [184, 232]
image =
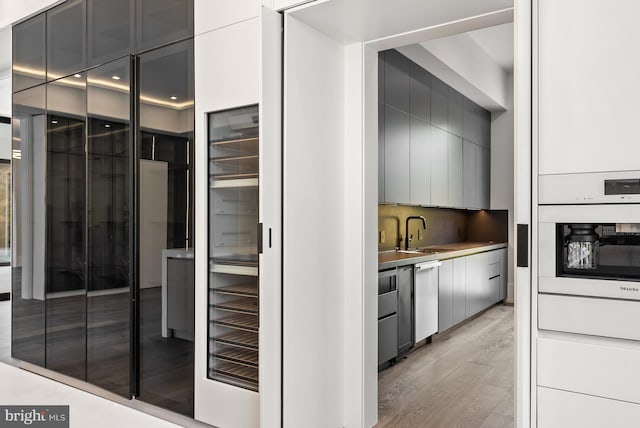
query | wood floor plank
[465, 378]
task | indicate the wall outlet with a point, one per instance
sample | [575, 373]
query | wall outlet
[381, 237]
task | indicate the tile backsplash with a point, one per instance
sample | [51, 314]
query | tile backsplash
[444, 226]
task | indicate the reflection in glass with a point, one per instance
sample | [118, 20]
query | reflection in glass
[28, 256]
[166, 227]
[109, 187]
[66, 39]
[162, 21]
[29, 53]
[110, 30]
[65, 225]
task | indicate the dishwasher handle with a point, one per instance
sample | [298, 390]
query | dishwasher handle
[428, 265]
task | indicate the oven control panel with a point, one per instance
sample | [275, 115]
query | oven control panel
[621, 187]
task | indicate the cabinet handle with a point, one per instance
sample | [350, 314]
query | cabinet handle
[260, 226]
[523, 246]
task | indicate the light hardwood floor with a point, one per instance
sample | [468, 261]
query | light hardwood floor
[465, 378]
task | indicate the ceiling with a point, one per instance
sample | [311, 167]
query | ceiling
[497, 42]
[349, 21]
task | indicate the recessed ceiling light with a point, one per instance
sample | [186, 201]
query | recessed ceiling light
[54, 121]
[77, 76]
[173, 97]
[115, 77]
[107, 126]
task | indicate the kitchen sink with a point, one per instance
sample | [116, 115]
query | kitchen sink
[425, 251]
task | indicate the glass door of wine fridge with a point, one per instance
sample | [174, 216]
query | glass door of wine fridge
[233, 145]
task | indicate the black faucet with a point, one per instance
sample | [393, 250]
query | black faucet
[408, 237]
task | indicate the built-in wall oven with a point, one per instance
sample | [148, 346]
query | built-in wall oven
[589, 254]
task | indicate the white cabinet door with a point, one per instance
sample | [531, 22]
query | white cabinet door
[575, 363]
[426, 300]
[588, 85]
[439, 167]
[568, 410]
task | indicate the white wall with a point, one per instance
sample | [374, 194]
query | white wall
[14, 10]
[469, 69]
[314, 229]
[502, 171]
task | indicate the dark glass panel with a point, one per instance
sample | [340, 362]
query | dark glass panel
[66, 223]
[28, 264]
[110, 30]
[165, 221]
[160, 22]
[29, 59]
[66, 39]
[109, 216]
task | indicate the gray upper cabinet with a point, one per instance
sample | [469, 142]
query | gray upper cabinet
[485, 135]
[469, 120]
[439, 167]
[484, 178]
[439, 103]
[397, 78]
[381, 154]
[469, 154]
[420, 93]
[419, 165]
[397, 137]
[433, 145]
[455, 171]
[455, 112]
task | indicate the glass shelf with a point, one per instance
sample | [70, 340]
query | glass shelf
[234, 305]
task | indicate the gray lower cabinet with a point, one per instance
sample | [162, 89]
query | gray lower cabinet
[476, 277]
[451, 293]
[459, 289]
[405, 308]
[504, 264]
[445, 295]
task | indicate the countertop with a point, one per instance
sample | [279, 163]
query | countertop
[391, 259]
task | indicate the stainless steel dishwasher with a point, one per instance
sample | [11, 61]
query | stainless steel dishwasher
[426, 299]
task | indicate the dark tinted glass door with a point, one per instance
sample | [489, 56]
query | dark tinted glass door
[28, 263]
[165, 184]
[109, 30]
[29, 64]
[109, 208]
[65, 226]
[162, 21]
[66, 39]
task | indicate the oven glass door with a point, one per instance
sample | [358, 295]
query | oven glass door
[590, 250]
